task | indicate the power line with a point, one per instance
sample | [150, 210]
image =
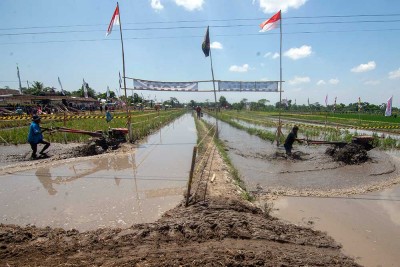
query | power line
[210, 20]
[200, 36]
[202, 27]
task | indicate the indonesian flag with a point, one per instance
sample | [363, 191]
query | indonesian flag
[114, 21]
[388, 111]
[271, 23]
[326, 100]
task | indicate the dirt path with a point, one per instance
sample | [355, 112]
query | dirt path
[219, 228]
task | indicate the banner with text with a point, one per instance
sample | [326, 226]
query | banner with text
[165, 86]
[271, 86]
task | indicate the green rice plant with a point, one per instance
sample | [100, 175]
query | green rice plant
[348, 137]
[143, 125]
[388, 143]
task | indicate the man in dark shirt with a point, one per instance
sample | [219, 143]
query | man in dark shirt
[292, 136]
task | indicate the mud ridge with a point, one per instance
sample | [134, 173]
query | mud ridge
[218, 230]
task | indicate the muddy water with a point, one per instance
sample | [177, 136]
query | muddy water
[263, 167]
[368, 225]
[111, 190]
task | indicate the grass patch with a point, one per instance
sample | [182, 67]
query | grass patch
[232, 170]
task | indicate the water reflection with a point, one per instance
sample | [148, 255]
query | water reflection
[107, 190]
[44, 176]
[113, 163]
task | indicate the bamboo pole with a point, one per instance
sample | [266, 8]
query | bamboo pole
[65, 124]
[191, 175]
[280, 83]
[215, 93]
[123, 73]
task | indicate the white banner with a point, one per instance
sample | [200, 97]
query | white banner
[165, 86]
[248, 86]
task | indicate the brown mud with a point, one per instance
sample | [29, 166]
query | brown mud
[218, 228]
[349, 154]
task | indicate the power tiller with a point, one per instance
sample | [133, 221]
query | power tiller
[105, 139]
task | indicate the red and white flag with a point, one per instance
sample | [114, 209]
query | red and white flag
[114, 21]
[388, 111]
[271, 23]
[326, 100]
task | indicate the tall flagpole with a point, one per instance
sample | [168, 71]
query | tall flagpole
[215, 94]
[280, 81]
[123, 73]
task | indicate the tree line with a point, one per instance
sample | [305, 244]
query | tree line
[289, 106]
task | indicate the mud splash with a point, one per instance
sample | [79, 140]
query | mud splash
[349, 154]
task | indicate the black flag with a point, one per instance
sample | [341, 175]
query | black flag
[206, 44]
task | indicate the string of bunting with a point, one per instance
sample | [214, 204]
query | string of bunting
[52, 117]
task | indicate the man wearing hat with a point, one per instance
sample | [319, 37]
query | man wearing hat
[35, 137]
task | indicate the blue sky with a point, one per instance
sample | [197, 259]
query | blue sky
[328, 48]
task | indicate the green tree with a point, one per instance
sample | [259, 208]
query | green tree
[104, 95]
[223, 102]
[37, 88]
[174, 101]
[80, 92]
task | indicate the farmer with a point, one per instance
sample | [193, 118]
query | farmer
[198, 110]
[109, 116]
[292, 136]
[35, 137]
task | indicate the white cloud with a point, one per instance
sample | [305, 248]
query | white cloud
[334, 81]
[156, 4]
[270, 55]
[372, 82]
[267, 54]
[297, 53]
[264, 79]
[394, 74]
[235, 68]
[298, 80]
[216, 45]
[364, 67]
[190, 4]
[273, 6]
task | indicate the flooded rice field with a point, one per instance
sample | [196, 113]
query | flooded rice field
[322, 134]
[358, 205]
[107, 190]
[264, 169]
[367, 225]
